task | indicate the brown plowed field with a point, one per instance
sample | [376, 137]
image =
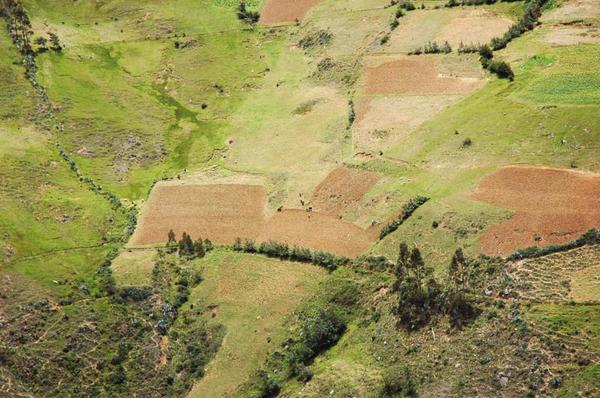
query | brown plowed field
[275, 11]
[554, 205]
[223, 212]
[415, 75]
[342, 188]
[316, 231]
[218, 212]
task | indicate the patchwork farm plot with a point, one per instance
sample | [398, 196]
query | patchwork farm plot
[400, 92]
[224, 212]
[469, 26]
[551, 206]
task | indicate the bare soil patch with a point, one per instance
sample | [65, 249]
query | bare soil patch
[275, 11]
[224, 212]
[571, 10]
[467, 25]
[395, 115]
[342, 188]
[317, 231]
[552, 206]
[477, 27]
[572, 35]
[218, 212]
[416, 75]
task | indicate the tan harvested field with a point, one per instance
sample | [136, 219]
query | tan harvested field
[416, 75]
[551, 206]
[572, 35]
[223, 212]
[342, 188]
[218, 212]
[456, 25]
[317, 231]
[399, 93]
[275, 11]
[573, 10]
[476, 27]
[383, 121]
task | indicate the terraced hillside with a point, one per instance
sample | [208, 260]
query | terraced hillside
[342, 198]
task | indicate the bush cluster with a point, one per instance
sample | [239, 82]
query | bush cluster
[533, 11]
[407, 210]
[283, 251]
[500, 68]
[591, 237]
[433, 48]
[321, 323]
[318, 38]
[247, 16]
[186, 247]
[420, 296]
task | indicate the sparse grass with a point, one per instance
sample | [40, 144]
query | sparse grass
[252, 297]
[581, 322]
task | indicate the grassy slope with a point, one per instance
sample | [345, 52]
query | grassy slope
[508, 123]
[148, 121]
[251, 296]
[53, 227]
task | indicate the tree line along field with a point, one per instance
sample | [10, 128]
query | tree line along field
[308, 127]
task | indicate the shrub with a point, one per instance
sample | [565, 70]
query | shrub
[591, 237]
[407, 210]
[319, 38]
[247, 16]
[406, 5]
[502, 69]
[398, 382]
[351, 113]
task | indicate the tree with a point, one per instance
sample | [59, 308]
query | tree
[172, 237]
[458, 306]
[418, 292]
[198, 249]
[54, 40]
[247, 16]
[237, 244]
[186, 246]
[42, 44]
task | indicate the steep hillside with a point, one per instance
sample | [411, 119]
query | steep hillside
[383, 198]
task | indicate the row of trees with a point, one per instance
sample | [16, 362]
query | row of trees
[187, 247]
[407, 210]
[294, 253]
[420, 296]
[433, 48]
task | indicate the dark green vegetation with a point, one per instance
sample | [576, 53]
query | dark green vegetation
[407, 210]
[283, 251]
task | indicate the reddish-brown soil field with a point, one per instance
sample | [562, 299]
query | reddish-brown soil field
[276, 11]
[415, 75]
[218, 212]
[223, 212]
[342, 188]
[316, 231]
[551, 206]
